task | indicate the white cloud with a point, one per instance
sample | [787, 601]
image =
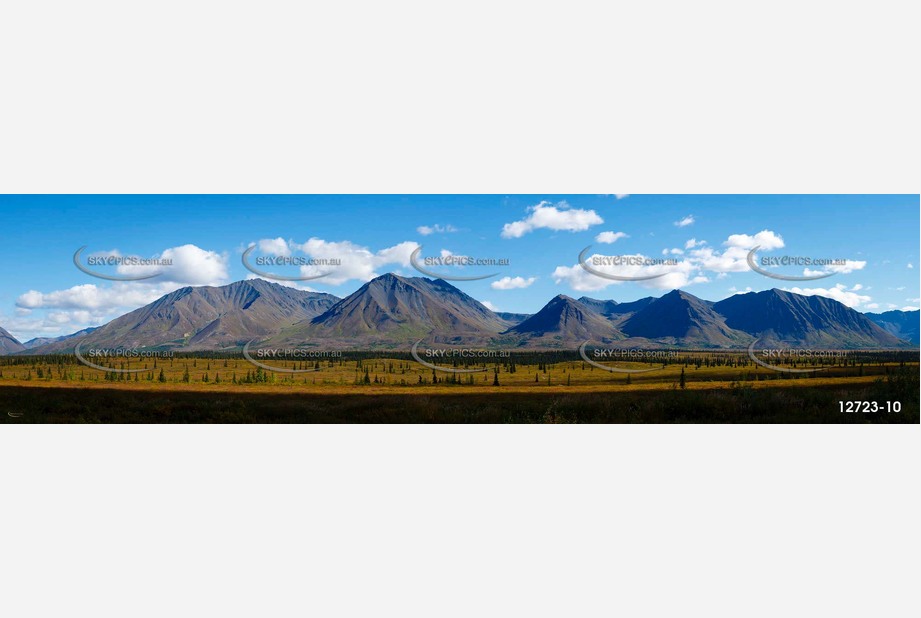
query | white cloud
[734, 257]
[839, 293]
[512, 283]
[730, 260]
[621, 196]
[189, 265]
[356, 262]
[489, 305]
[685, 222]
[275, 246]
[673, 276]
[909, 308]
[560, 217]
[697, 261]
[871, 306]
[848, 267]
[426, 230]
[610, 237]
[92, 297]
[765, 239]
[910, 265]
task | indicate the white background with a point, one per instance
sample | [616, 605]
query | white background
[492, 96]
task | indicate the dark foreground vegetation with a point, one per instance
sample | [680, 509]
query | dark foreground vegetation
[740, 403]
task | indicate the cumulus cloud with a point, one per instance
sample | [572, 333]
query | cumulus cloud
[734, 257]
[275, 246]
[187, 265]
[839, 293]
[512, 283]
[848, 267]
[426, 230]
[91, 296]
[765, 239]
[696, 264]
[673, 276]
[355, 262]
[689, 220]
[910, 308]
[559, 217]
[489, 305]
[610, 237]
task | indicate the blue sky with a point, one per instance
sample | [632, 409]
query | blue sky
[43, 294]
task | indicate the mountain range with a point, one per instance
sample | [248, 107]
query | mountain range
[392, 311]
[902, 324]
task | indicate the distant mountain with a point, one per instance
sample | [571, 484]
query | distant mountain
[566, 319]
[40, 341]
[682, 318]
[613, 309]
[398, 310]
[513, 318]
[621, 309]
[9, 343]
[808, 320]
[206, 318]
[603, 307]
[901, 324]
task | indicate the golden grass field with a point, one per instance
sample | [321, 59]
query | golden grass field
[388, 388]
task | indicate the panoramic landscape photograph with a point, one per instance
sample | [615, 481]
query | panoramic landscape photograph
[459, 309]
